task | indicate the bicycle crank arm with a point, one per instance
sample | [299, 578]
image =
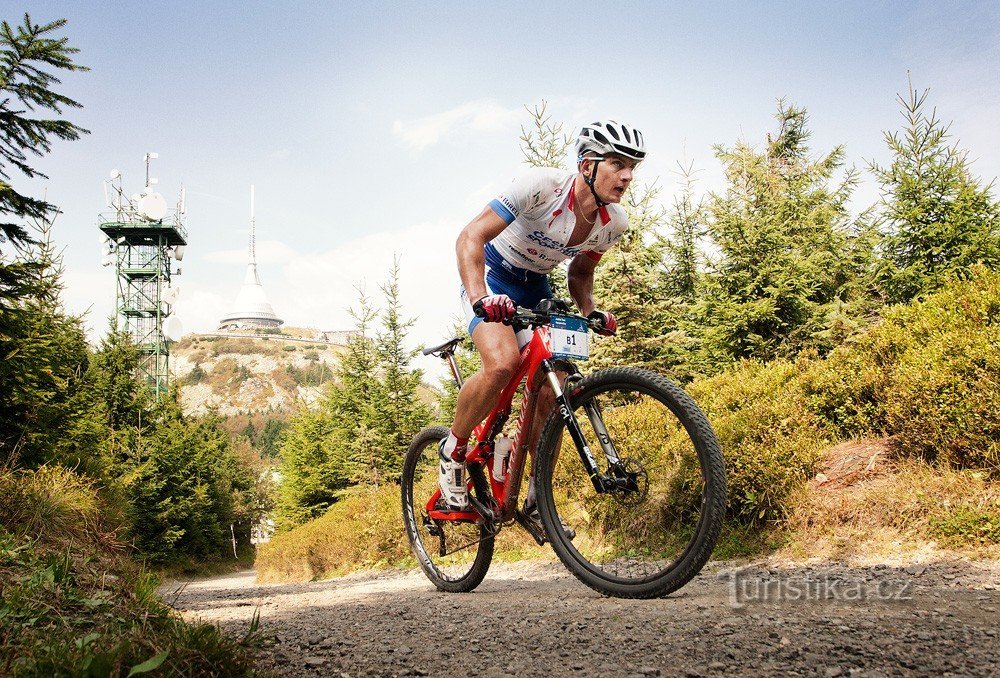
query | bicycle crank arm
[573, 426]
[482, 509]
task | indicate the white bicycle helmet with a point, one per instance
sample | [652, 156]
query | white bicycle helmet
[608, 136]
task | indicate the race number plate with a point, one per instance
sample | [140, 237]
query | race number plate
[569, 338]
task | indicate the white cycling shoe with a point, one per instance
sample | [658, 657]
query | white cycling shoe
[451, 479]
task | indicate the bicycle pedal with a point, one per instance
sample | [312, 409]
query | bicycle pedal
[535, 530]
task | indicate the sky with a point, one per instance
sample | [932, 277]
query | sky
[378, 130]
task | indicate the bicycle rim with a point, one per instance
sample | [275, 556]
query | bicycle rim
[654, 535]
[468, 547]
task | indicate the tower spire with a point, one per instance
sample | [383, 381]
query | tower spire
[253, 231]
[252, 309]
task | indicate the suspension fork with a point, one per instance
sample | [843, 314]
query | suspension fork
[575, 432]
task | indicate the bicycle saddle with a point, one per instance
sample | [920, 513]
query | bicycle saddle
[446, 347]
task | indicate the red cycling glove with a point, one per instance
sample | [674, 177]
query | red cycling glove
[494, 308]
[609, 325]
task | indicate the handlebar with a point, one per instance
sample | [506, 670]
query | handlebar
[528, 317]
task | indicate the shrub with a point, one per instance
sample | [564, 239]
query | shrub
[242, 345]
[195, 376]
[945, 400]
[362, 530]
[926, 375]
[770, 439]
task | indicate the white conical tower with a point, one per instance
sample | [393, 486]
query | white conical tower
[252, 309]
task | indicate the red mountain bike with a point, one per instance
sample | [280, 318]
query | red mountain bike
[646, 508]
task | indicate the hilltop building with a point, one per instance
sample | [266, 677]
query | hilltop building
[252, 310]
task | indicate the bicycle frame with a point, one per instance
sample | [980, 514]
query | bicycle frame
[535, 356]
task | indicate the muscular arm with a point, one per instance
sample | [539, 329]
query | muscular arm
[469, 248]
[580, 281]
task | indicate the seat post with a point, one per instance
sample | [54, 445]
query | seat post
[453, 364]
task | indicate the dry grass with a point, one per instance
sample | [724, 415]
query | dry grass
[864, 502]
[51, 504]
[362, 531]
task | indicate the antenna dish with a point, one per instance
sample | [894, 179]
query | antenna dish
[171, 293]
[173, 329]
[179, 252]
[153, 206]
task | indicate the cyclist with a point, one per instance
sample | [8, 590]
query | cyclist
[545, 217]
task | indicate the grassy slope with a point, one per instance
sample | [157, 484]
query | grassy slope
[73, 603]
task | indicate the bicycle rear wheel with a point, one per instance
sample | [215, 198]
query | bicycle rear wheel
[653, 533]
[454, 555]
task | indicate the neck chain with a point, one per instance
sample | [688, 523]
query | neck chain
[583, 216]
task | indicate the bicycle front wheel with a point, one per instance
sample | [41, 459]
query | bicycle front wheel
[454, 555]
[656, 528]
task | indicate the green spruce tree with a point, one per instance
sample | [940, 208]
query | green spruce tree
[627, 282]
[781, 232]
[937, 218]
[545, 143]
[43, 353]
[401, 414]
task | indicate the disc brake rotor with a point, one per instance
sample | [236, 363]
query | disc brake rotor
[635, 488]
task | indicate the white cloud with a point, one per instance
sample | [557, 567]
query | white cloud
[320, 288]
[268, 252]
[200, 311]
[483, 115]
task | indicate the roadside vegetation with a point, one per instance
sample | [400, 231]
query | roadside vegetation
[73, 600]
[935, 477]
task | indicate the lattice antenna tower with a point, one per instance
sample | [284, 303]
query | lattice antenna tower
[142, 237]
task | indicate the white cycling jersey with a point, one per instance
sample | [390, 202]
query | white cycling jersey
[538, 208]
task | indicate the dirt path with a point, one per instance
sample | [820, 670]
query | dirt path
[536, 619]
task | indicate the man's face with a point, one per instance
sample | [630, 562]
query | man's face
[614, 174]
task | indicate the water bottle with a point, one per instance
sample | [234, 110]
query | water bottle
[501, 452]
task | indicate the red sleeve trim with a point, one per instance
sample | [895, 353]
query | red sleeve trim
[594, 256]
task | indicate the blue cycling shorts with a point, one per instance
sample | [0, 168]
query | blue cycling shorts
[526, 288]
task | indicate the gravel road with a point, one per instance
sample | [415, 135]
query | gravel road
[534, 618]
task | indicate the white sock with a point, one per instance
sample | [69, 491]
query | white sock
[455, 447]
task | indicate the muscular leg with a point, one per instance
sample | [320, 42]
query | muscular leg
[497, 347]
